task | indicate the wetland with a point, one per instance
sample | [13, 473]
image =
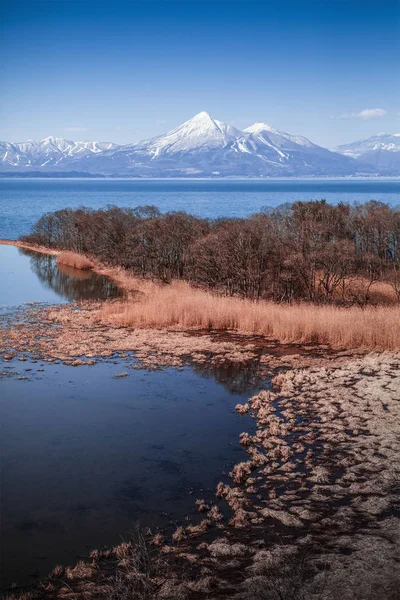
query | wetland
[255, 468]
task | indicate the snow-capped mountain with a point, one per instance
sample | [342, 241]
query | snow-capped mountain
[193, 148]
[381, 150]
[381, 141]
[294, 153]
[48, 152]
[200, 133]
[202, 146]
[264, 130]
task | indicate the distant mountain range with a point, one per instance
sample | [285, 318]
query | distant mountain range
[381, 150]
[205, 147]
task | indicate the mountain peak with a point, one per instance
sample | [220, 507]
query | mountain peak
[53, 140]
[203, 146]
[201, 132]
[258, 127]
[200, 122]
[368, 148]
[202, 116]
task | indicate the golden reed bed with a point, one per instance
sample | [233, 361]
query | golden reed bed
[180, 305]
[74, 260]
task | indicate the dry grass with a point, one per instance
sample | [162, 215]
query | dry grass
[74, 260]
[27, 246]
[180, 305]
[379, 292]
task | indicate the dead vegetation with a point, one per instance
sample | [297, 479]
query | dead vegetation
[313, 511]
[69, 333]
[74, 260]
[29, 246]
[181, 306]
[322, 464]
[308, 252]
[326, 450]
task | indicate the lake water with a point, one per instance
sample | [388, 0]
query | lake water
[23, 201]
[85, 455]
[32, 277]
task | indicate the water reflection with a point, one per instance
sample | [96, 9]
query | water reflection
[236, 379]
[72, 284]
[87, 454]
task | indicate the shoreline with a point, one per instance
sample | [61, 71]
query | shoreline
[91, 177]
[113, 273]
[318, 488]
[178, 306]
[319, 481]
[39, 249]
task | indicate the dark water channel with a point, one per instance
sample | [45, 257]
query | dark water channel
[85, 455]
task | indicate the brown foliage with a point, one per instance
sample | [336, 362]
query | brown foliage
[311, 251]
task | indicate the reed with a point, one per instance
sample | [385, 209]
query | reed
[183, 306]
[74, 260]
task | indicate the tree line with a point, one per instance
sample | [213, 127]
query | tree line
[309, 251]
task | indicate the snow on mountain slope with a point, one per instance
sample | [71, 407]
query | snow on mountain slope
[264, 130]
[382, 141]
[9, 154]
[259, 128]
[294, 153]
[381, 150]
[199, 133]
[202, 146]
[49, 151]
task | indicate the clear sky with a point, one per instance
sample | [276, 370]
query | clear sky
[123, 71]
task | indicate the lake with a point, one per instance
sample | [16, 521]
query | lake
[28, 276]
[23, 201]
[85, 455]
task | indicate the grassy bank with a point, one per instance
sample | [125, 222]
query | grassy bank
[180, 305]
[28, 246]
[74, 260]
[309, 252]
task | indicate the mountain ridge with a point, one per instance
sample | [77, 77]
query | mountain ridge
[380, 150]
[203, 146]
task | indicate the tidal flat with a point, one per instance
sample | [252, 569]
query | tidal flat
[257, 470]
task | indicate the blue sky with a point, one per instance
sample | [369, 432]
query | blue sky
[125, 71]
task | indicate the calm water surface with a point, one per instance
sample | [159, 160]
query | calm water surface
[22, 202]
[32, 277]
[86, 455]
